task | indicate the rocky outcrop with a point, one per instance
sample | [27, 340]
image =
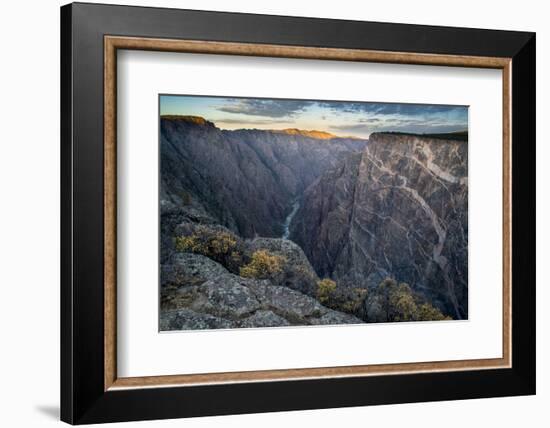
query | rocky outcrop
[298, 274]
[399, 209]
[218, 299]
[188, 268]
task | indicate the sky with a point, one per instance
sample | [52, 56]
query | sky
[342, 118]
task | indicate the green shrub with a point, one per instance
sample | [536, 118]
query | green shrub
[263, 265]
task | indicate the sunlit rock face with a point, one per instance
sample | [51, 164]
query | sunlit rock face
[400, 209]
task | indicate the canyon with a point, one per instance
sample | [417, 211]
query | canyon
[351, 210]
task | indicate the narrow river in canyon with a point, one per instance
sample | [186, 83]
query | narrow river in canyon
[288, 219]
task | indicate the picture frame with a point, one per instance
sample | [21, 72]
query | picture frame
[91, 36]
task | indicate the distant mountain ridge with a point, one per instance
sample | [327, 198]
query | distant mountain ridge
[196, 120]
[312, 133]
[322, 135]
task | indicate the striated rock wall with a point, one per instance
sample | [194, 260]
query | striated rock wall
[399, 209]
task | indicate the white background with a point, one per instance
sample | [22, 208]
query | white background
[144, 352]
[29, 219]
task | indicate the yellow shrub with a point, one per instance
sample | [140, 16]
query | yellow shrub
[218, 245]
[263, 265]
[402, 304]
[325, 288]
[427, 312]
[359, 296]
[186, 243]
[207, 243]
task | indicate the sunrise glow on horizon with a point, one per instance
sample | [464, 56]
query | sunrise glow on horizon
[342, 118]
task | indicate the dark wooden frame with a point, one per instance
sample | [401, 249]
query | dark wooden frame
[89, 33]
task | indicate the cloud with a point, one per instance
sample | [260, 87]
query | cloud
[393, 108]
[359, 118]
[247, 121]
[412, 126]
[365, 118]
[265, 107]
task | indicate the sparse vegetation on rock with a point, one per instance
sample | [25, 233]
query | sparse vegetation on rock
[325, 287]
[392, 301]
[263, 265]
[219, 245]
[341, 298]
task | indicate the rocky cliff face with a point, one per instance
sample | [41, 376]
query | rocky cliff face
[399, 208]
[245, 180]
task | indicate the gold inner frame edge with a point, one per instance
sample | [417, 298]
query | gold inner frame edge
[113, 43]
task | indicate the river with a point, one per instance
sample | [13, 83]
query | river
[288, 219]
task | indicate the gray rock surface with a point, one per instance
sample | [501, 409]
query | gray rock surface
[298, 273]
[399, 209]
[264, 318]
[227, 296]
[191, 269]
[186, 319]
[228, 300]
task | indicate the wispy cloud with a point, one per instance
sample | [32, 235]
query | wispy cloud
[413, 126]
[390, 109]
[251, 121]
[265, 107]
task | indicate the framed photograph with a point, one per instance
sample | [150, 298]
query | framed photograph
[266, 213]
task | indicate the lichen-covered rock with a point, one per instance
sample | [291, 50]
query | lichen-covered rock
[264, 318]
[226, 296]
[334, 317]
[298, 273]
[187, 319]
[189, 269]
[292, 304]
[227, 300]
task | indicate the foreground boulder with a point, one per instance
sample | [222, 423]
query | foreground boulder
[220, 299]
[189, 269]
[298, 273]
